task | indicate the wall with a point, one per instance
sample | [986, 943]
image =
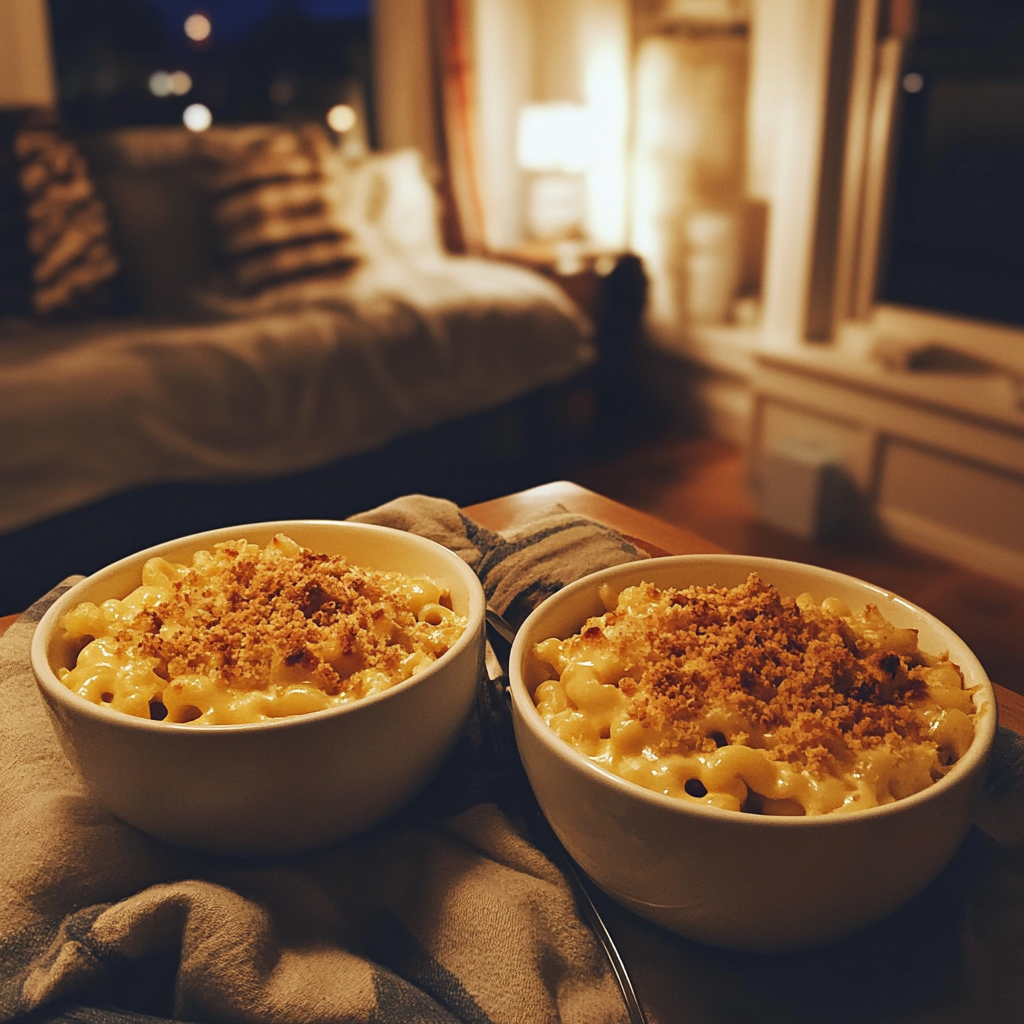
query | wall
[535, 51]
[403, 98]
[505, 35]
[788, 84]
[26, 60]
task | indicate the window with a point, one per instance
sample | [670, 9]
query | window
[956, 236]
[122, 62]
[926, 111]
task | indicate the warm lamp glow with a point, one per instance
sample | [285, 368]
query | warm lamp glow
[197, 117]
[341, 118]
[556, 144]
[555, 137]
[198, 27]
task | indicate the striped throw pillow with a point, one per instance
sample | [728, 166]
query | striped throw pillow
[275, 207]
[56, 255]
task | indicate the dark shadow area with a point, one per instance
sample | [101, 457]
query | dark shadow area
[925, 962]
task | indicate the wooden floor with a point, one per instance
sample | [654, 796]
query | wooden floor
[697, 482]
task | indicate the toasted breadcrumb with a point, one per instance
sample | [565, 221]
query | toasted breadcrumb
[244, 611]
[813, 691]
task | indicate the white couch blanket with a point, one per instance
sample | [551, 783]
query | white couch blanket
[274, 385]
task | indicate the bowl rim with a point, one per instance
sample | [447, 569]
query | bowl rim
[55, 690]
[525, 712]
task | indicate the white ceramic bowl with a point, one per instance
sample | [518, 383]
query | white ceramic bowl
[293, 783]
[729, 879]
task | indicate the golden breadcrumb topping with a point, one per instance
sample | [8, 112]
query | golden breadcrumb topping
[245, 633]
[812, 690]
[248, 609]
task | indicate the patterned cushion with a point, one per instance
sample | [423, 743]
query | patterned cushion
[276, 207]
[392, 204]
[56, 256]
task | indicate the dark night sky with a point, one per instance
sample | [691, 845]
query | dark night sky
[265, 60]
[232, 17]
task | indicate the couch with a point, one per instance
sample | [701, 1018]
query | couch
[397, 368]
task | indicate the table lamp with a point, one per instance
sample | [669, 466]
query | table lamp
[555, 145]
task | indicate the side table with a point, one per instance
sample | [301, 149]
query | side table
[610, 287]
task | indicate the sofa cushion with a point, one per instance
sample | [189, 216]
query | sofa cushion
[156, 183]
[56, 256]
[277, 207]
[149, 178]
[390, 202]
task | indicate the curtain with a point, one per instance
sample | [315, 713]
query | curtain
[455, 64]
[426, 96]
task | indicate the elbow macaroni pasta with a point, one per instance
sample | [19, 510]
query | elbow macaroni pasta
[747, 701]
[246, 634]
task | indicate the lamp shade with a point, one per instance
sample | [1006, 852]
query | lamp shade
[555, 137]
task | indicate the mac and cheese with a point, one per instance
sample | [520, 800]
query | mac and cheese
[245, 634]
[745, 700]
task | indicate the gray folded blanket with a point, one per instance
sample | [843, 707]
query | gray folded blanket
[435, 916]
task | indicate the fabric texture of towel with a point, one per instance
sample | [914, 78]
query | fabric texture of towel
[446, 913]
